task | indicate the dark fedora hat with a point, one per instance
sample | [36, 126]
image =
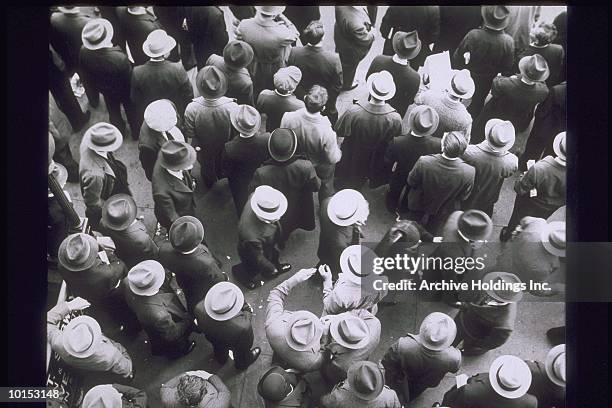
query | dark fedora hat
[118, 212]
[282, 144]
[366, 380]
[495, 17]
[211, 82]
[274, 386]
[78, 252]
[534, 67]
[238, 54]
[176, 156]
[474, 225]
[423, 120]
[406, 45]
[186, 233]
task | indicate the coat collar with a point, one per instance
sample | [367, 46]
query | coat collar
[177, 184]
[375, 109]
[100, 162]
[212, 103]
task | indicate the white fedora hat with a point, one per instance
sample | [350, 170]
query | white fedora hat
[158, 43]
[303, 330]
[437, 331]
[347, 207]
[146, 278]
[160, 115]
[381, 85]
[555, 365]
[510, 376]
[223, 301]
[553, 238]
[354, 259]
[268, 203]
[559, 146]
[97, 33]
[82, 336]
[349, 331]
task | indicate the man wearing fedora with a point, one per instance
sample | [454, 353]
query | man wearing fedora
[354, 289]
[159, 310]
[101, 175]
[114, 395]
[274, 103]
[548, 379]
[194, 265]
[208, 123]
[505, 386]
[439, 183]
[270, 34]
[81, 343]
[404, 151]
[318, 66]
[244, 153]
[316, 138]
[486, 319]
[406, 47]
[353, 35]
[353, 336]
[341, 219]
[137, 23]
[363, 387]
[493, 163]
[96, 274]
[132, 241]
[486, 51]
[106, 69]
[450, 104]
[294, 176]
[206, 31]
[159, 78]
[159, 126]
[226, 320]
[540, 42]
[366, 128]
[281, 388]
[417, 362]
[237, 56]
[294, 336]
[541, 190]
[515, 99]
[171, 19]
[195, 389]
[422, 19]
[172, 183]
[259, 235]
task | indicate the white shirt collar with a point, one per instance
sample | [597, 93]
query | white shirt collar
[449, 158]
[401, 61]
[177, 174]
[102, 154]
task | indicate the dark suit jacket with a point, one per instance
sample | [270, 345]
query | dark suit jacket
[206, 29]
[424, 19]
[162, 316]
[333, 239]
[549, 394]
[554, 56]
[550, 120]
[110, 13]
[455, 23]
[490, 51]
[107, 70]
[133, 245]
[161, 80]
[353, 34]
[195, 273]
[257, 242]
[478, 393]
[65, 37]
[232, 333]
[171, 196]
[275, 106]
[406, 79]
[136, 28]
[319, 67]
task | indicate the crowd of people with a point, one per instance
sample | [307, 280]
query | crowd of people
[262, 112]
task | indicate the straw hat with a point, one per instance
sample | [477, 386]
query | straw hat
[349, 331]
[81, 336]
[346, 207]
[559, 146]
[146, 278]
[268, 203]
[555, 365]
[552, 237]
[303, 330]
[223, 301]
[510, 376]
[381, 85]
[437, 331]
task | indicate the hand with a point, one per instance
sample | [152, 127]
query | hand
[326, 320]
[106, 243]
[247, 307]
[325, 272]
[77, 303]
[305, 274]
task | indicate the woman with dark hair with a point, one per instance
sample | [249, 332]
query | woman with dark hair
[541, 39]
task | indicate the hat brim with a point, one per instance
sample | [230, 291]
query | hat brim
[132, 210]
[519, 392]
[97, 336]
[344, 266]
[197, 239]
[544, 238]
[160, 277]
[106, 42]
[284, 157]
[410, 123]
[360, 214]
[273, 216]
[65, 10]
[233, 312]
[184, 165]
[372, 92]
[494, 25]
[244, 132]
[557, 147]
[352, 376]
[451, 91]
[488, 126]
[335, 333]
[438, 347]
[168, 46]
[492, 276]
[108, 148]
[548, 364]
[88, 263]
[522, 65]
[481, 237]
[302, 315]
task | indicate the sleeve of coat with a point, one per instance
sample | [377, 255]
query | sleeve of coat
[167, 210]
[147, 157]
[527, 182]
[91, 186]
[331, 148]
[434, 20]
[189, 120]
[313, 182]
[464, 46]
[388, 21]
[135, 92]
[359, 32]
[169, 330]
[185, 90]
[54, 317]
[224, 395]
[469, 185]
[415, 176]
[276, 299]
[508, 58]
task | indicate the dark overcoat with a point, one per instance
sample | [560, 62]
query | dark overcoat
[65, 37]
[172, 197]
[108, 70]
[206, 31]
[136, 28]
[407, 81]
[134, 244]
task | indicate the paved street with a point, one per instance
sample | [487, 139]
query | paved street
[216, 211]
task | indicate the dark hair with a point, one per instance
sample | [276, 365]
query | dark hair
[315, 99]
[454, 144]
[313, 33]
[543, 33]
[191, 390]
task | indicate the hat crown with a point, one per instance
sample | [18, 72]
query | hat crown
[406, 43]
[425, 119]
[94, 31]
[473, 223]
[184, 235]
[557, 238]
[247, 117]
[506, 295]
[157, 40]
[282, 144]
[267, 198]
[366, 380]
[118, 210]
[102, 396]
[160, 115]
[501, 134]
[352, 329]
[175, 152]
[77, 248]
[510, 375]
[462, 82]
[534, 67]
[103, 134]
[238, 53]
[212, 81]
[223, 301]
[345, 209]
[286, 79]
[273, 387]
[141, 277]
[81, 337]
[303, 331]
[500, 12]
[383, 83]
[436, 329]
